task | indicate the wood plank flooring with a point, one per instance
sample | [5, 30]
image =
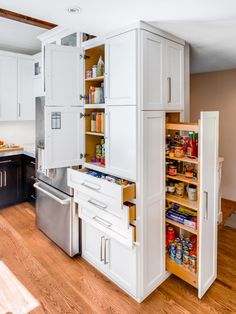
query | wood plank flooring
[65, 285]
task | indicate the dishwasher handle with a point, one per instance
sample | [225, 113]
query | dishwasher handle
[63, 202]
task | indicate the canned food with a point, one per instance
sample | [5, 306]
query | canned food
[186, 259]
[179, 246]
[193, 263]
[172, 170]
[178, 256]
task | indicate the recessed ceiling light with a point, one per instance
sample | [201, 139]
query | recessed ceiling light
[74, 9]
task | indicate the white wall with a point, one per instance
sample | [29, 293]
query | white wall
[18, 132]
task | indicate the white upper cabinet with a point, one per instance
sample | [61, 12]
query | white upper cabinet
[120, 141]
[120, 69]
[63, 75]
[64, 140]
[8, 88]
[174, 76]
[26, 105]
[152, 68]
[209, 150]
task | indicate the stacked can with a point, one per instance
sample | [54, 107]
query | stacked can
[179, 253]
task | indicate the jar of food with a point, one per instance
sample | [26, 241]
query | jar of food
[172, 171]
[94, 70]
[192, 193]
[172, 153]
[179, 152]
[88, 74]
[171, 188]
[189, 172]
[180, 189]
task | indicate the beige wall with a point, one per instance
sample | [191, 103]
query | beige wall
[217, 91]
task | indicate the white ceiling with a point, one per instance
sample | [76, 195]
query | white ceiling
[19, 37]
[208, 25]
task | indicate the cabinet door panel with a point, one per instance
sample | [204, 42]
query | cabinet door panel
[63, 75]
[93, 241]
[26, 105]
[153, 191]
[121, 263]
[64, 140]
[175, 75]
[120, 69]
[209, 129]
[121, 141]
[153, 71]
[8, 88]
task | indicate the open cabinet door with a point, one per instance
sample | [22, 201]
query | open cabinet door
[63, 75]
[64, 137]
[209, 145]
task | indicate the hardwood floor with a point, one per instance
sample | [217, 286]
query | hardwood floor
[65, 285]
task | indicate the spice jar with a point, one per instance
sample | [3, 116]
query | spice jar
[172, 170]
[172, 153]
[179, 152]
[189, 172]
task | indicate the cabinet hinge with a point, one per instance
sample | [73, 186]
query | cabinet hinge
[83, 97]
[83, 155]
[83, 115]
[83, 56]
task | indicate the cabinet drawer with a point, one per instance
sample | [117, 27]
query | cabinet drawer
[107, 224]
[102, 190]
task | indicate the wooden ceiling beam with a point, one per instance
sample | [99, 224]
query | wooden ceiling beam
[25, 19]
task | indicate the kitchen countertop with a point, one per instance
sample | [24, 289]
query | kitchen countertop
[29, 150]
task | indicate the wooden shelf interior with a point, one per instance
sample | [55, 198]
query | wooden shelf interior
[184, 201]
[181, 272]
[93, 55]
[189, 127]
[184, 159]
[91, 138]
[182, 178]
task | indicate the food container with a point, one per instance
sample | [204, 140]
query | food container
[189, 172]
[88, 74]
[94, 71]
[97, 95]
[179, 152]
[171, 153]
[192, 193]
[172, 171]
[171, 189]
[180, 189]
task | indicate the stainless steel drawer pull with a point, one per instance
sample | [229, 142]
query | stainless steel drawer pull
[1, 179]
[5, 161]
[33, 163]
[91, 186]
[102, 222]
[206, 206]
[101, 249]
[169, 89]
[97, 204]
[5, 178]
[105, 252]
[57, 199]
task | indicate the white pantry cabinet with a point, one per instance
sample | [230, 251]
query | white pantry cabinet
[26, 106]
[120, 139]
[120, 69]
[174, 76]
[63, 75]
[115, 260]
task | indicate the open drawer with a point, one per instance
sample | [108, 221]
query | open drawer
[110, 193]
[107, 224]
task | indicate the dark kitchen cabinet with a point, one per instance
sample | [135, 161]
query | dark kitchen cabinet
[28, 178]
[10, 180]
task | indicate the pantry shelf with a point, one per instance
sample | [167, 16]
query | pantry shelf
[184, 159]
[174, 223]
[182, 178]
[190, 127]
[94, 133]
[93, 79]
[94, 106]
[94, 166]
[181, 272]
[184, 201]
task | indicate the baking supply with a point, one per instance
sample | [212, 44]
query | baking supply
[172, 170]
[100, 67]
[93, 122]
[97, 95]
[192, 193]
[94, 71]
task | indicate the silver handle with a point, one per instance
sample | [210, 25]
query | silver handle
[105, 252]
[5, 178]
[33, 163]
[101, 249]
[5, 161]
[91, 186]
[33, 197]
[19, 110]
[105, 86]
[206, 205]
[169, 89]
[63, 202]
[1, 179]
[97, 204]
[102, 222]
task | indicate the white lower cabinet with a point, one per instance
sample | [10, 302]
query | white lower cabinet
[115, 260]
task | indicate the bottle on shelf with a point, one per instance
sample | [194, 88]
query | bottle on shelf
[100, 67]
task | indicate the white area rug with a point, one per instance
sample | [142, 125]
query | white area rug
[14, 297]
[231, 221]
